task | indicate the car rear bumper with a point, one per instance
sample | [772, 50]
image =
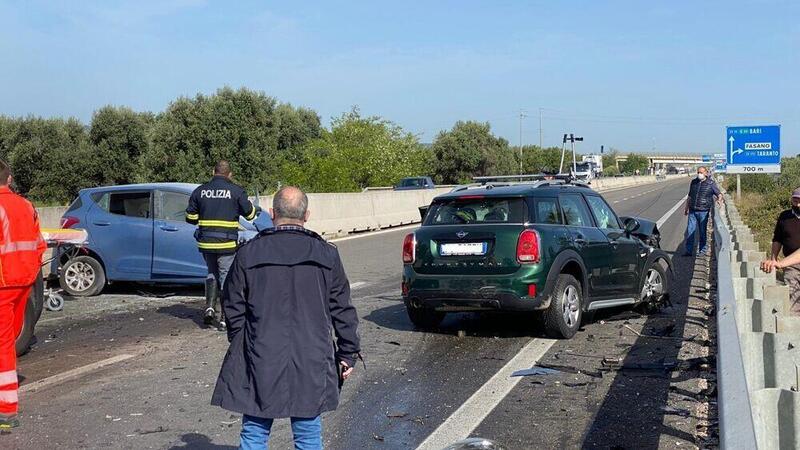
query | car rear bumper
[485, 299]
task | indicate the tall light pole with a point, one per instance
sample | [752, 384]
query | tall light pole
[522, 115]
[540, 129]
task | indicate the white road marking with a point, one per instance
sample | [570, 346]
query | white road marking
[669, 213]
[357, 285]
[375, 233]
[469, 415]
[74, 373]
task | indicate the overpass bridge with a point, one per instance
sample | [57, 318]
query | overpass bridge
[662, 161]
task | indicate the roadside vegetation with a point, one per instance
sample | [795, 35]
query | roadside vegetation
[764, 196]
[267, 142]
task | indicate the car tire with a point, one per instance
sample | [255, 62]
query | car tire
[82, 276]
[654, 288]
[563, 318]
[425, 318]
[32, 312]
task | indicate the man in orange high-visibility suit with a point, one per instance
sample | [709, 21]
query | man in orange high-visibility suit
[21, 249]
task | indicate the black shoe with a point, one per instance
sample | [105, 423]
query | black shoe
[209, 316]
[222, 326]
[7, 422]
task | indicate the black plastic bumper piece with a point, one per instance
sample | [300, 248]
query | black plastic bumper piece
[459, 301]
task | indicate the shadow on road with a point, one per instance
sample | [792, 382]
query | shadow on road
[197, 441]
[633, 413]
[192, 313]
[485, 324]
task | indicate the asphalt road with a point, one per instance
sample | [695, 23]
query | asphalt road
[126, 370]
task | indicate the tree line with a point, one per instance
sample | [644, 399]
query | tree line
[268, 143]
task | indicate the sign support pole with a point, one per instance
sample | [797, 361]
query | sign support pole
[738, 186]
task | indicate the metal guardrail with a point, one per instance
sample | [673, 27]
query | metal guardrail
[736, 428]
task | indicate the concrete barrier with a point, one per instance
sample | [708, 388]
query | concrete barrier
[337, 214]
[765, 347]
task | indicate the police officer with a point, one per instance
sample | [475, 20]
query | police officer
[215, 207]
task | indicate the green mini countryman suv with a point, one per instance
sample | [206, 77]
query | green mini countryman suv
[548, 246]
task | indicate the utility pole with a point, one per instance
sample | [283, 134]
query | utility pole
[521, 116]
[540, 129]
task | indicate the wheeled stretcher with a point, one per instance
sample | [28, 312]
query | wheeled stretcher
[67, 243]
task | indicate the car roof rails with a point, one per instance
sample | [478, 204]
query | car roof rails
[535, 180]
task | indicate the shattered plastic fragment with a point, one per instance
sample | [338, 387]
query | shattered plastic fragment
[536, 370]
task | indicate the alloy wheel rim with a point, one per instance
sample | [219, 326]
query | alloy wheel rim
[80, 276]
[571, 306]
[653, 285]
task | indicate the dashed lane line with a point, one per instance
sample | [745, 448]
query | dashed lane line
[470, 414]
[74, 373]
[669, 213]
[358, 285]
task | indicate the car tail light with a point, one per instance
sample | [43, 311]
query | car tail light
[409, 248]
[69, 221]
[528, 247]
[531, 290]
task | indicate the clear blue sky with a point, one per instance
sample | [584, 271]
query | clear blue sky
[628, 74]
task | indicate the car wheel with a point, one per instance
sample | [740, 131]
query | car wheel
[654, 288]
[82, 276]
[32, 312]
[563, 318]
[425, 318]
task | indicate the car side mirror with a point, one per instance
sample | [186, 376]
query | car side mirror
[631, 225]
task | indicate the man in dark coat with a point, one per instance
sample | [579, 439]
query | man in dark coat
[285, 297]
[702, 193]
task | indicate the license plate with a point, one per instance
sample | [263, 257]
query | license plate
[463, 249]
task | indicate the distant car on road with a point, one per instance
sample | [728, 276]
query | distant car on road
[547, 246]
[138, 233]
[411, 183]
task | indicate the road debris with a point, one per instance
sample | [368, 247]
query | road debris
[159, 429]
[535, 370]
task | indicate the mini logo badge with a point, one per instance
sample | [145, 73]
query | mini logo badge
[461, 234]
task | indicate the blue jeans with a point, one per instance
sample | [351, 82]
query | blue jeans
[698, 220]
[307, 433]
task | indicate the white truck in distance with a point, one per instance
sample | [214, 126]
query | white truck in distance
[597, 163]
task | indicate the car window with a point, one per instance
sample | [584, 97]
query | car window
[172, 206]
[547, 211]
[131, 204]
[575, 211]
[476, 211]
[78, 203]
[603, 213]
[412, 182]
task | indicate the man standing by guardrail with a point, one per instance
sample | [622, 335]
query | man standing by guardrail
[287, 292]
[787, 238]
[702, 193]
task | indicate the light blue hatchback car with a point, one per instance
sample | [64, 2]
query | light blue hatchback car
[137, 232]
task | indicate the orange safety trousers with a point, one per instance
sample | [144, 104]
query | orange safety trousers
[12, 318]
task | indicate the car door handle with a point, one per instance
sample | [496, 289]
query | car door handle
[102, 223]
[168, 228]
[580, 241]
[613, 242]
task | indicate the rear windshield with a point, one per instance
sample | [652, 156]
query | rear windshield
[412, 182]
[462, 211]
[75, 205]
